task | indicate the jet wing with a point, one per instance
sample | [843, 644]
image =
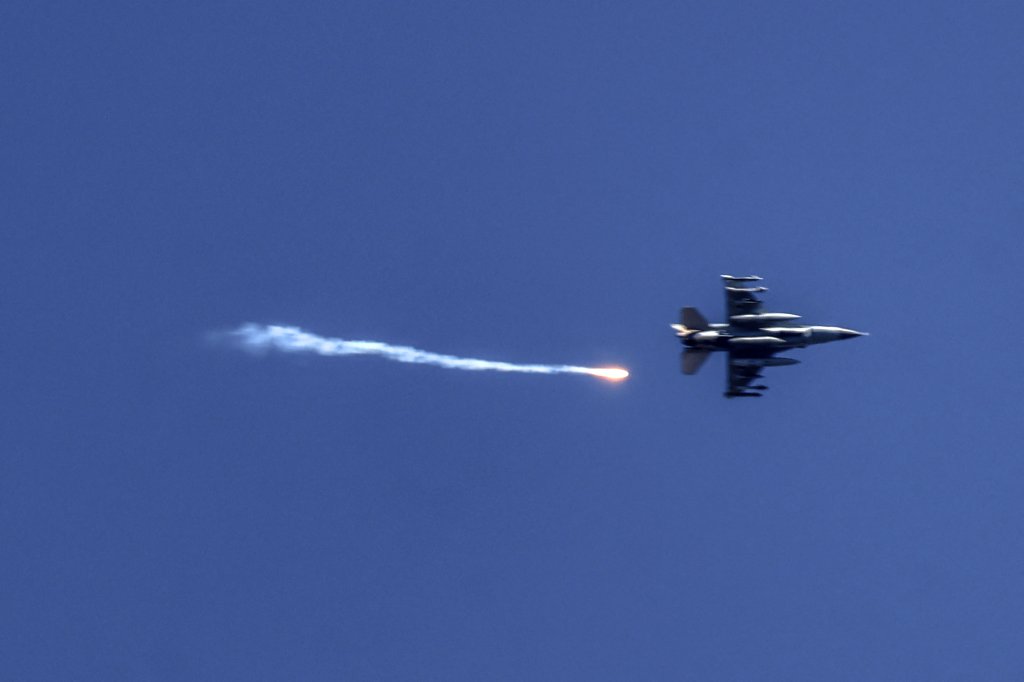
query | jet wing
[741, 372]
[744, 367]
[740, 299]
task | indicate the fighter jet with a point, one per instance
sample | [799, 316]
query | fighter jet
[751, 337]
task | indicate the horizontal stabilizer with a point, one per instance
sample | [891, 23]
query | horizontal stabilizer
[745, 278]
[693, 359]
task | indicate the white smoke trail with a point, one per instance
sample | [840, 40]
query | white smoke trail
[294, 340]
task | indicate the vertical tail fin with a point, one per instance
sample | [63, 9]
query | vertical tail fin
[692, 319]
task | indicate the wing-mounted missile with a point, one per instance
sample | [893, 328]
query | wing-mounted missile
[742, 394]
[747, 290]
[744, 278]
[761, 319]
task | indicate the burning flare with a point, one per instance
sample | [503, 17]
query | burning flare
[294, 340]
[610, 373]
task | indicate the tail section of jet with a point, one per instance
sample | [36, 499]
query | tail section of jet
[692, 319]
[693, 360]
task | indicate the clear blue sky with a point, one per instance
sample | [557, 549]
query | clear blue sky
[530, 182]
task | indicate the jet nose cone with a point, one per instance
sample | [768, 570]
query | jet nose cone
[850, 333]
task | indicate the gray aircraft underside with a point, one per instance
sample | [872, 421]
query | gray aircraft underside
[751, 337]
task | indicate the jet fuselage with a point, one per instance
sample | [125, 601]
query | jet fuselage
[772, 339]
